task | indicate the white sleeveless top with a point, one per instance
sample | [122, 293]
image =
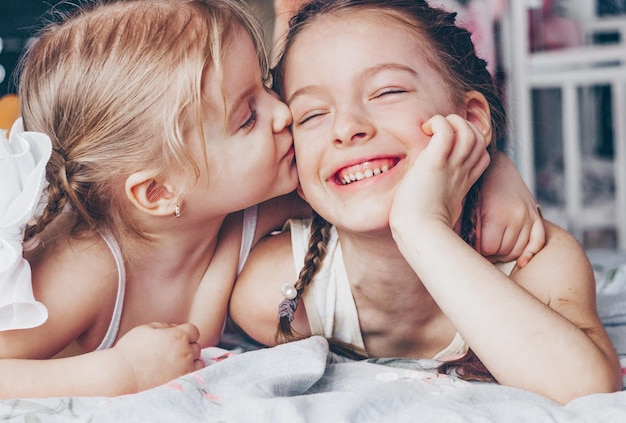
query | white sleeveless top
[330, 306]
[247, 236]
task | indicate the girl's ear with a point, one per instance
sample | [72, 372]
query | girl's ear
[150, 196]
[478, 113]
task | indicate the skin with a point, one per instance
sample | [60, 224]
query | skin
[183, 277]
[500, 238]
[356, 84]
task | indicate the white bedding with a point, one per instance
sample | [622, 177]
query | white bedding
[301, 382]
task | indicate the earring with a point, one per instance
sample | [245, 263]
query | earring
[176, 211]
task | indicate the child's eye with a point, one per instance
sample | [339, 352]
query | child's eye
[248, 123]
[310, 116]
[387, 91]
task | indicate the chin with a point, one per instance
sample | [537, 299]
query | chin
[365, 224]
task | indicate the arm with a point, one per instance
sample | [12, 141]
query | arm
[78, 287]
[145, 357]
[256, 296]
[529, 333]
[511, 225]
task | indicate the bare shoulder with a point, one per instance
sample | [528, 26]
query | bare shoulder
[256, 296]
[561, 276]
[76, 279]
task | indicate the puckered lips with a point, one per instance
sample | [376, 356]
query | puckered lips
[364, 170]
[289, 152]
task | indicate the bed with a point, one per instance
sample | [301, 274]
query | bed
[303, 381]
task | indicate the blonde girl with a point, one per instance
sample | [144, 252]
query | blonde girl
[162, 127]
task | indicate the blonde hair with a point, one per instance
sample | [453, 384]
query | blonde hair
[115, 85]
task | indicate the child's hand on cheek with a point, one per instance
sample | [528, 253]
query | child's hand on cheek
[436, 183]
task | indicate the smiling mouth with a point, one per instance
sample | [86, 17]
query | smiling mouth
[365, 170]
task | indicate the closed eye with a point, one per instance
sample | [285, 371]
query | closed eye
[309, 117]
[389, 91]
[250, 121]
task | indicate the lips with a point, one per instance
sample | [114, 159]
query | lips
[364, 170]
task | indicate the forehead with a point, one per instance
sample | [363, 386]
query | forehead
[356, 39]
[237, 68]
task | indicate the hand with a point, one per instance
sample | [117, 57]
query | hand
[157, 352]
[436, 183]
[510, 225]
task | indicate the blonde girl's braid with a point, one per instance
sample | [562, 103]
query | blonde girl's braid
[58, 193]
[318, 243]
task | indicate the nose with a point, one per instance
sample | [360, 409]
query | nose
[352, 126]
[282, 115]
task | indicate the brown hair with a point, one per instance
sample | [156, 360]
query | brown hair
[455, 59]
[115, 85]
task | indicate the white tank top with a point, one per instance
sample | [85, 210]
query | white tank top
[247, 236]
[329, 304]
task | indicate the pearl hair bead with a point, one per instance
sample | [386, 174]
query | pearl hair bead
[288, 290]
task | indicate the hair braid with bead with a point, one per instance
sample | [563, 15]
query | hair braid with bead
[318, 242]
[453, 55]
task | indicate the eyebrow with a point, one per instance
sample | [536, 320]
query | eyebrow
[311, 89]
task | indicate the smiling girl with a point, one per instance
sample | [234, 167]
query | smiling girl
[386, 267]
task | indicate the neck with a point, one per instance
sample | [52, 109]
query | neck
[381, 278]
[375, 261]
[174, 250]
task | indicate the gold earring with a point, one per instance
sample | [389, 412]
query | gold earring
[176, 211]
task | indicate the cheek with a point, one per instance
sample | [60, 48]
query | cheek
[306, 150]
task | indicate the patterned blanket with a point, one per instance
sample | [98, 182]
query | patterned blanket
[304, 382]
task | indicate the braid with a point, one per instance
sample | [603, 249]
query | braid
[468, 367]
[56, 198]
[451, 52]
[462, 68]
[318, 242]
[469, 216]
[68, 183]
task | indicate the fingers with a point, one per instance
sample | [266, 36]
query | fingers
[198, 363]
[513, 244]
[191, 330]
[193, 334]
[457, 141]
[502, 243]
[442, 134]
[535, 244]
[488, 246]
[469, 150]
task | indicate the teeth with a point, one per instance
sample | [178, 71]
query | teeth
[348, 179]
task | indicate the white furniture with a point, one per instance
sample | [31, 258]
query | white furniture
[568, 70]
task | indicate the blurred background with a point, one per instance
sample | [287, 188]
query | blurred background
[561, 65]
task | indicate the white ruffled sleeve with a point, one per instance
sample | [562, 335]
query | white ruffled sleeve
[23, 159]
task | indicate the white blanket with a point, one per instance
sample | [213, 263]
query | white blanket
[303, 382]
